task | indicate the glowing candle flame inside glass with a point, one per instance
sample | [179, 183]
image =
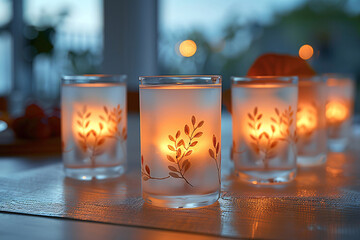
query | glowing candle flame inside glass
[339, 110]
[94, 126]
[306, 120]
[264, 118]
[310, 124]
[97, 128]
[180, 140]
[336, 112]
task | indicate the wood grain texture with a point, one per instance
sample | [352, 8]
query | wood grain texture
[322, 202]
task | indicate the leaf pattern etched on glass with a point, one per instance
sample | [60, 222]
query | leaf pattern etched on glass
[214, 155]
[145, 171]
[94, 131]
[264, 142]
[182, 148]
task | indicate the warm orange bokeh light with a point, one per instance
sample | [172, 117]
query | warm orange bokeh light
[187, 48]
[306, 52]
[336, 112]
[306, 120]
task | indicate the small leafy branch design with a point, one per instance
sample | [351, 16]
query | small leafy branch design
[285, 119]
[145, 171]
[85, 133]
[267, 149]
[265, 143]
[310, 114]
[113, 119]
[182, 150]
[110, 119]
[214, 155]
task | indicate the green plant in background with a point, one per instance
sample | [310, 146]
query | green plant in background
[42, 42]
[51, 53]
[40, 37]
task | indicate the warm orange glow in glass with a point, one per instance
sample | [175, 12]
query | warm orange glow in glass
[306, 52]
[266, 133]
[90, 128]
[180, 138]
[269, 85]
[336, 112]
[187, 48]
[265, 127]
[306, 120]
[164, 143]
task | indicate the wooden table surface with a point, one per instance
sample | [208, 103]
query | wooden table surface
[322, 202]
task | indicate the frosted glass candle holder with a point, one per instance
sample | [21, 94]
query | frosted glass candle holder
[311, 121]
[264, 128]
[180, 128]
[339, 111]
[93, 126]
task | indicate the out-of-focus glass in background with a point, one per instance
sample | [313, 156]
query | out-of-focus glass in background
[225, 37]
[230, 35]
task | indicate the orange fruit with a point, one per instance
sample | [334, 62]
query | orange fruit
[272, 64]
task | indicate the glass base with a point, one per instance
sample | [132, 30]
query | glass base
[309, 161]
[267, 177]
[99, 173]
[188, 201]
[337, 145]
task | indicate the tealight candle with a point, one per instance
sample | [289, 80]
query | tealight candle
[311, 122]
[94, 132]
[264, 128]
[339, 110]
[180, 128]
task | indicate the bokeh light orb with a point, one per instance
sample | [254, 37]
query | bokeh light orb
[306, 51]
[187, 48]
[336, 112]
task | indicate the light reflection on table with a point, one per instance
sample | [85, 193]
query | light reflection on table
[322, 202]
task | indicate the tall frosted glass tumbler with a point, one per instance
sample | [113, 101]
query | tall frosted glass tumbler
[264, 128]
[180, 128]
[339, 110]
[311, 121]
[94, 126]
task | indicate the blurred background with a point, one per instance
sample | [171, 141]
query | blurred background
[42, 40]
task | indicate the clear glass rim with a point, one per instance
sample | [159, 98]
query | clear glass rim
[180, 80]
[339, 80]
[264, 80]
[94, 78]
